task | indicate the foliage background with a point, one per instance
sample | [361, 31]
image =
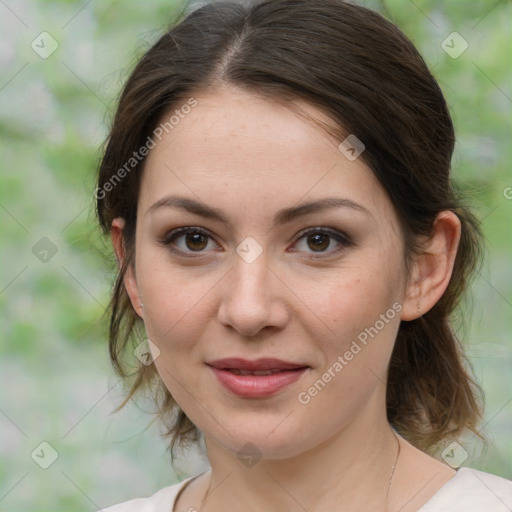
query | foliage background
[56, 382]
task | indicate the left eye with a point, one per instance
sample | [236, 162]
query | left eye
[196, 240]
[319, 239]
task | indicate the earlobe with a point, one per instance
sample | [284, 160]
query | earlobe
[412, 307]
[433, 268]
[130, 282]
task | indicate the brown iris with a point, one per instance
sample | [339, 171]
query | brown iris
[318, 242]
[196, 241]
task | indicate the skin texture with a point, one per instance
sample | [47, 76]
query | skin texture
[251, 157]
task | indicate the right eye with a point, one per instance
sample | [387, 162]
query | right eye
[194, 240]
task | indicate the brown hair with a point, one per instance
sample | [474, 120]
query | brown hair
[367, 76]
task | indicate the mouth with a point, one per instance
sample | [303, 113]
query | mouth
[237, 371]
[256, 379]
[259, 365]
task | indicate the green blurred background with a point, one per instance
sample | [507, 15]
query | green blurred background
[56, 383]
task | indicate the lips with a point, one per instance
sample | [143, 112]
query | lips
[256, 379]
[236, 363]
[237, 371]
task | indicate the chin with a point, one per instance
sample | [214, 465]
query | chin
[262, 442]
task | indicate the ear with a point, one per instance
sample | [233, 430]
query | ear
[130, 283]
[432, 268]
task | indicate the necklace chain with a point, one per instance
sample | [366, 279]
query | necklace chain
[392, 471]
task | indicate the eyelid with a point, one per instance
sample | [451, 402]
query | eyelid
[335, 233]
[172, 235]
[342, 238]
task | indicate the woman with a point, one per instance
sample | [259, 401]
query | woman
[276, 186]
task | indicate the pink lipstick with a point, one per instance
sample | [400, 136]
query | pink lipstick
[256, 379]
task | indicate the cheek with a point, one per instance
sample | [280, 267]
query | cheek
[361, 307]
[176, 310]
[352, 298]
[363, 315]
[175, 306]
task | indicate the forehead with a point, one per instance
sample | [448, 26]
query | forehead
[232, 123]
[236, 143]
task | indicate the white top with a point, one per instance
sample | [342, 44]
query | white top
[469, 490]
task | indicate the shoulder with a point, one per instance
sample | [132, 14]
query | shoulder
[161, 500]
[471, 490]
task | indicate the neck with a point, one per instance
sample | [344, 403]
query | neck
[348, 472]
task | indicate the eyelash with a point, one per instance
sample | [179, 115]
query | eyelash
[340, 237]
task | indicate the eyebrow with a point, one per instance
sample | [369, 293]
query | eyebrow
[283, 216]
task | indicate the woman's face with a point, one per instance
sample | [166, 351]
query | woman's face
[252, 285]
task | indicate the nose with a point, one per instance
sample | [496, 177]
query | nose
[253, 298]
